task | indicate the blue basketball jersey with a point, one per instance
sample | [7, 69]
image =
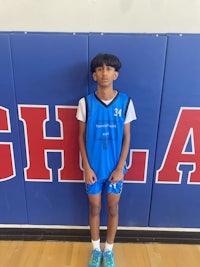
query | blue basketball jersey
[104, 132]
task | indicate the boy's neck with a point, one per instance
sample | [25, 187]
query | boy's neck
[106, 94]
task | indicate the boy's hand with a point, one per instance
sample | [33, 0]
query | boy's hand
[90, 176]
[116, 176]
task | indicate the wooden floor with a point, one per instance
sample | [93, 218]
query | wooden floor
[76, 254]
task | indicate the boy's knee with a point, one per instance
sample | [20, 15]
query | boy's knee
[113, 210]
[95, 210]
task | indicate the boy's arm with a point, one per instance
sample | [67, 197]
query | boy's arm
[117, 174]
[90, 176]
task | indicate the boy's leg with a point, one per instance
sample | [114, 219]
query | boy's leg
[108, 256]
[113, 200]
[94, 215]
[94, 220]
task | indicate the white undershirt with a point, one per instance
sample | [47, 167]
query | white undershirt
[81, 111]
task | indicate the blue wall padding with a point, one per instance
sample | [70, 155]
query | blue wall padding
[51, 69]
[12, 191]
[159, 72]
[177, 205]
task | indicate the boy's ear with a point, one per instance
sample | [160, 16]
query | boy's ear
[116, 74]
[94, 76]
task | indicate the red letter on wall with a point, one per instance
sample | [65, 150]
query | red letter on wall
[38, 144]
[7, 164]
[137, 169]
[187, 128]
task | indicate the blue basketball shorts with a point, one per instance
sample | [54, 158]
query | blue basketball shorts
[97, 187]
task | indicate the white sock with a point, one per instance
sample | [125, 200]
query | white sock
[96, 244]
[108, 247]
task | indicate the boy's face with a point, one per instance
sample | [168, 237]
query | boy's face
[105, 75]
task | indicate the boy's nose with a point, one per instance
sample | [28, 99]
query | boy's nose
[104, 71]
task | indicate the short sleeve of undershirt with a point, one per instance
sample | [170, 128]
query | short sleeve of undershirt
[81, 111]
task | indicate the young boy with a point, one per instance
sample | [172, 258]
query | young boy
[104, 138]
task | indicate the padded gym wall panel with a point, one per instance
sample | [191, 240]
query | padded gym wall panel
[42, 74]
[141, 77]
[12, 196]
[176, 201]
[51, 71]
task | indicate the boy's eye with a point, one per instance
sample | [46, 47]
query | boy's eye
[99, 69]
[107, 68]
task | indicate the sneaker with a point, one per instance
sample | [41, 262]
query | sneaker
[108, 259]
[95, 259]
